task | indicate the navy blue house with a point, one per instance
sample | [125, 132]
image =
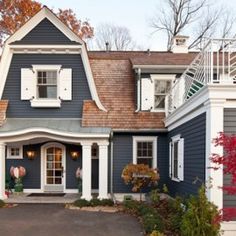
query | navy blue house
[63, 107]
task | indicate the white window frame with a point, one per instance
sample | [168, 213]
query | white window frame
[160, 77]
[46, 102]
[152, 139]
[9, 156]
[174, 139]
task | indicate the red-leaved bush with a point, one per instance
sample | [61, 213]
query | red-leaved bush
[228, 160]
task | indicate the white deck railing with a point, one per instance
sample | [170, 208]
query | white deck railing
[215, 64]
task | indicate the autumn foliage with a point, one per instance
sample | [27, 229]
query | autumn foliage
[140, 176]
[14, 13]
[228, 160]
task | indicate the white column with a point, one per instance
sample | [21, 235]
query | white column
[214, 125]
[86, 170]
[2, 171]
[103, 170]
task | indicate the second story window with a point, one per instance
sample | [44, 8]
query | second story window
[153, 91]
[161, 89]
[47, 84]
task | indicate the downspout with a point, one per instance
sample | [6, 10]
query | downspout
[138, 84]
[111, 173]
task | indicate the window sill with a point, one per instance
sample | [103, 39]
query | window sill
[45, 103]
[14, 157]
[175, 179]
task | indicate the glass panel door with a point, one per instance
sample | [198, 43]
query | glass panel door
[54, 168]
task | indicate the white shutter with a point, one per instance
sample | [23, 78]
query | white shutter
[65, 84]
[170, 159]
[181, 159]
[147, 94]
[28, 84]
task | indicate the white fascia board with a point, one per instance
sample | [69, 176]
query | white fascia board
[45, 46]
[53, 132]
[36, 19]
[90, 78]
[213, 93]
[160, 66]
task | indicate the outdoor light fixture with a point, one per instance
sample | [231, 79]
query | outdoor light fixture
[74, 155]
[30, 155]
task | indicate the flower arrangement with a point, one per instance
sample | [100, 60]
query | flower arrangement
[18, 173]
[78, 175]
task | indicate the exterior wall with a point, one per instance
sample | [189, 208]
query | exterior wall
[123, 155]
[69, 109]
[194, 134]
[229, 128]
[33, 167]
[45, 33]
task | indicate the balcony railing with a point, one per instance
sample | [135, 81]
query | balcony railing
[215, 64]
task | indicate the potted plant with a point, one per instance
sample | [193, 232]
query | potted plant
[18, 173]
[79, 178]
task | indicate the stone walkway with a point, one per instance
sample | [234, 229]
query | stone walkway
[24, 198]
[54, 219]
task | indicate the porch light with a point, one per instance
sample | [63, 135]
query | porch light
[74, 155]
[30, 155]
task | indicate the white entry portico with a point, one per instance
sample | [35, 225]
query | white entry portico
[53, 141]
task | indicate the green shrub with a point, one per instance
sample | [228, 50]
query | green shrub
[200, 218]
[155, 196]
[152, 222]
[82, 203]
[107, 202]
[95, 202]
[156, 233]
[2, 203]
[132, 206]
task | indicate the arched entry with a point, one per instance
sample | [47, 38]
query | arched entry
[53, 167]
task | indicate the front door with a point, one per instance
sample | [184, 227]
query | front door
[54, 169]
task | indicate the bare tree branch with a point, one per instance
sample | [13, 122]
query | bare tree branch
[117, 37]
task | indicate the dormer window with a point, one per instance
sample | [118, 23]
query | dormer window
[154, 91]
[47, 84]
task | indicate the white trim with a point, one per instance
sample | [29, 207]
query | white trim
[89, 75]
[2, 170]
[40, 102]
[32, 190]
[43, 163]
[51, 131]
[43, 46]
[36, 19]
[46, 67]
[14, 157]
[153, 139]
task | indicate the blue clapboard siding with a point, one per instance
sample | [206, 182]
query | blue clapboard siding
[45, 33]
[229, 128]
[194, 134]
[69, 109]
[123, 155]
[32, 180]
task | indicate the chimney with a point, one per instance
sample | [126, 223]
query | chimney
[107, 47]
[179, 44]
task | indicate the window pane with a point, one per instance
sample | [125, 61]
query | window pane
[175, 161]
[15, 151]
[47, 91]
[159, 102]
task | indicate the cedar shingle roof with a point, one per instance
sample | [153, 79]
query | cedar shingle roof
[115, 83]
[3, 109]
[145, 58]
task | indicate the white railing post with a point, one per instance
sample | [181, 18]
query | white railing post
[212, 63]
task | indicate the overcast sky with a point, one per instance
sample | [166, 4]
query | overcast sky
[134, 14]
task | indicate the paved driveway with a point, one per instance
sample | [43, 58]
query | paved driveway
[55, 220]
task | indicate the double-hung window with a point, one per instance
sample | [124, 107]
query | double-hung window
[144, 151]
[154, 91]
[176, 158]
[161, 89]
[47, 84]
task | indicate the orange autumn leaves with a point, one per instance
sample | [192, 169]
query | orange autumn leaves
[14, 13]
[140, 176]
